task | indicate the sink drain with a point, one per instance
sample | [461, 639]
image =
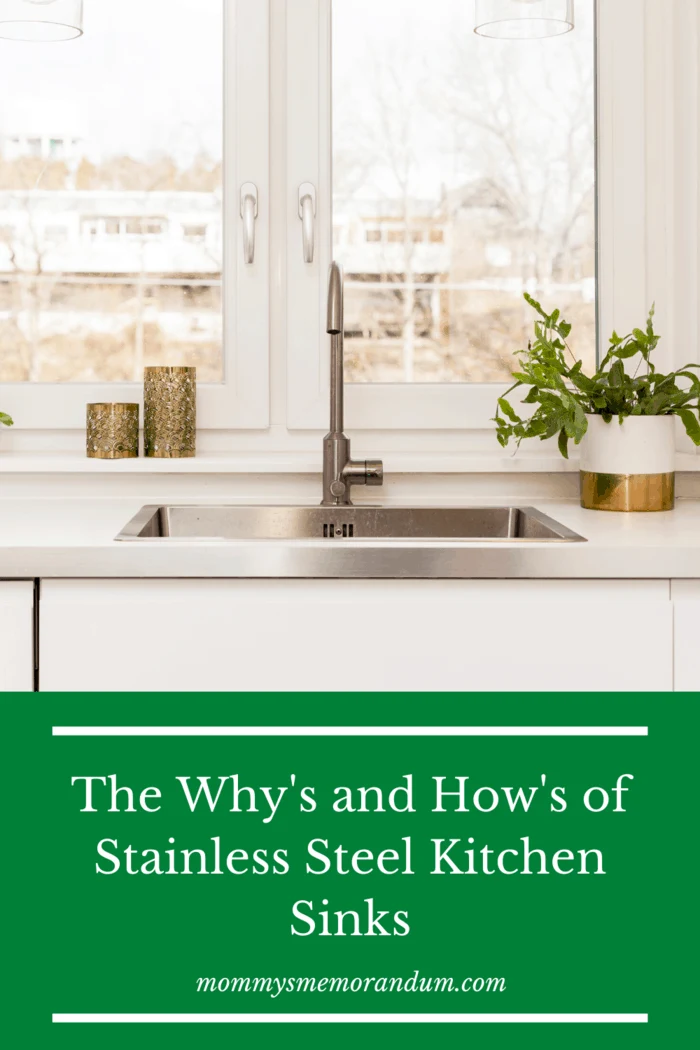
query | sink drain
[332, 531]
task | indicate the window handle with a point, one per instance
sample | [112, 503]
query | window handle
[307, 213]
[249, 213]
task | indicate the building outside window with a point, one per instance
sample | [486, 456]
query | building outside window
[452, 174]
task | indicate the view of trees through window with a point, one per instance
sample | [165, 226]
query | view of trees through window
[464, 175]
[111, 196]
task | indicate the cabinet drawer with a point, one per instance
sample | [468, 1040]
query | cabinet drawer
[16, 636]
[686, 600]
[338, 635]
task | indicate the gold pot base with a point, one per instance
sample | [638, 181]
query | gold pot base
[630, 493]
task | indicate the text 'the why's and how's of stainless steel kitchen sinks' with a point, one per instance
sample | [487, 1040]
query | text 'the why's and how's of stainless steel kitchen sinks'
[332, 524]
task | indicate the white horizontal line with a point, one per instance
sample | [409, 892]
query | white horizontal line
[350, 731]
[350, 1018]
[133, 279]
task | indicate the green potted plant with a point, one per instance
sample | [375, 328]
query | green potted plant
[5, 420]
[623, 415]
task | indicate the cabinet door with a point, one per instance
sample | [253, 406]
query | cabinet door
[338, 635]
[16, 637]
[686, 600]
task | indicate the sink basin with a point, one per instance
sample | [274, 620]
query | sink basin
[488, 524]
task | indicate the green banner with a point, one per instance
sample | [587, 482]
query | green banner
[523, 860]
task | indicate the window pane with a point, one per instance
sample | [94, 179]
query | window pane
[464, 175]
[111, 196]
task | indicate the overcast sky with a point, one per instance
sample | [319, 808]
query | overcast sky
[410, 46]
[146, 77]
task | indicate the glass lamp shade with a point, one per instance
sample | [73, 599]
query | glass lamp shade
[41, 20]
[524, 19]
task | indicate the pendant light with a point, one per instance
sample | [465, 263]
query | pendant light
[524, 19]
[41, 20]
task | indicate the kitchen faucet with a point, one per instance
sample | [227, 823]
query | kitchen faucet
[340, 471]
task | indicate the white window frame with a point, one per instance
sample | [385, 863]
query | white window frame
[242, 401]
[277, 135]
[647, 185]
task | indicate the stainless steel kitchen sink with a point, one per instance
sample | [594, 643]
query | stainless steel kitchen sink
[333, 524]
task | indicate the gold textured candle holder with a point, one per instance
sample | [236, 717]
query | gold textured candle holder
[112, 431]
[170, 412]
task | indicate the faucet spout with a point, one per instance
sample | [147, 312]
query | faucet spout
[335, 300]
[340, 471]
[335, 329]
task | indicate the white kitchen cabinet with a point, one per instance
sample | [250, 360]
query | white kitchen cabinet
[16, 636]
[686, 601]
[337, 635]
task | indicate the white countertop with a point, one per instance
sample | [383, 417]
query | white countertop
[53, 537]
[487, 461]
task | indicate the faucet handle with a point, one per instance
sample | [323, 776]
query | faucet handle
[364, 472]
[374, 472]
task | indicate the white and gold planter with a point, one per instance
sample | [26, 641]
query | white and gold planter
[629, 467]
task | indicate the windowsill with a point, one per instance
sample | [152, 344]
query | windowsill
[302, 463]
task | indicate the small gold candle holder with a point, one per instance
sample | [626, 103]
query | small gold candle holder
[112, 431]
[170, 412]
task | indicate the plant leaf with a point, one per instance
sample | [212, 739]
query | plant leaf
[508, 411]
[691, 424]
[564, 444]
[563, 394]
